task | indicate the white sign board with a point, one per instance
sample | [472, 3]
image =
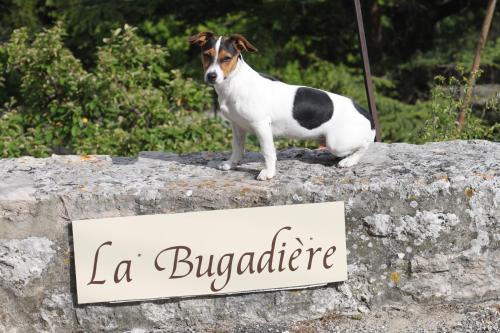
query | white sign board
[209, 252]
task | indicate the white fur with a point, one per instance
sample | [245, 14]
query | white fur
[214, 66]
[257, 105]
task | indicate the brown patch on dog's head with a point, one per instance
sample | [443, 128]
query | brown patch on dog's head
[207, 57]
[227, 61]
[206, 40]
[242, 43]
[201, 38]
[229, 52]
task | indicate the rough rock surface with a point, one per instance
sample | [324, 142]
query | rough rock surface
[422, 231]
[22, 260]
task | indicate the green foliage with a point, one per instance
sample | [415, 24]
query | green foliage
[441, 123]
[15, 140]
[129, 103]
[454, 48]
[82, 89]
[16, 14]
[325, 75]
[170, 32]
[50, 81]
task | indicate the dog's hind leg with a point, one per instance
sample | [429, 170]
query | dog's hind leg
[348, 151]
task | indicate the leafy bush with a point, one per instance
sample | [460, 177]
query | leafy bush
[129, 102]
[441, 122]
[49, 83]
[134, 99]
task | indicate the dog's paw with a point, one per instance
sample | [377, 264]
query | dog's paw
[225, 166]
[266, 174]
[348, 161]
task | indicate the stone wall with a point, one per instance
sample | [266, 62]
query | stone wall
[422, 228]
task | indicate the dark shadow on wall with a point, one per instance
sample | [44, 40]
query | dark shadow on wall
[213, 159]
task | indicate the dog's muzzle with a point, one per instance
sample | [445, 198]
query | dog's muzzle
[211, 77]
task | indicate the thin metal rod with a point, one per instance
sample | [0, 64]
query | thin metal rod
[366, 69]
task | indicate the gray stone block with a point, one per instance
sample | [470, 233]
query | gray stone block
[422, 225]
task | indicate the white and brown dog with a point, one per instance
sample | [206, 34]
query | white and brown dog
[257, 104]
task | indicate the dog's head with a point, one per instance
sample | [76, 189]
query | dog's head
[219, 54]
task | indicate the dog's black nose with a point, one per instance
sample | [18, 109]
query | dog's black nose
[211, 77]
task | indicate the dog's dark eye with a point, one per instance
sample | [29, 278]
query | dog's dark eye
[226, 59]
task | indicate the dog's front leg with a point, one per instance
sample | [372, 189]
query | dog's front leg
[238, 146]
[265, 135]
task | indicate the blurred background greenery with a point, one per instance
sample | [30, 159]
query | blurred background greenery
[118, 77]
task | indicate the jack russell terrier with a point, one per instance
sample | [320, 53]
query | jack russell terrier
[254, 103]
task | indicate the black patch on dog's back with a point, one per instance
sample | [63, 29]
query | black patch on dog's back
[365, 113]
[312, 107]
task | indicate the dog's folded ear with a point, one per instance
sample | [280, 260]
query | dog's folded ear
[242, 43]
[201, 38]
